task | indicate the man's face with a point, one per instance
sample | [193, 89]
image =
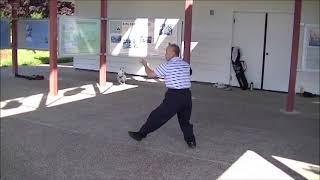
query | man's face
[169, 53]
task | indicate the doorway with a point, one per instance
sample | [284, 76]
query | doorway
[265, 44]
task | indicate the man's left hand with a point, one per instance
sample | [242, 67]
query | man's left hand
[144, 62]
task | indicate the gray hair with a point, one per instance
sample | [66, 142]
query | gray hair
[175, 48]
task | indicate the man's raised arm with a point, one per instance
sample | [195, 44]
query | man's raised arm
[150, 73]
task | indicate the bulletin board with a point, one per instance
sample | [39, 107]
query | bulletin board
[33, 34]
[78, 36]
[142, 37]
[311, 48]
[5, 34]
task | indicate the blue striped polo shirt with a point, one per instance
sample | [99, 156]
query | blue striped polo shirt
[176, 73]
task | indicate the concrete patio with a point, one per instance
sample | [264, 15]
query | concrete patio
[82, 133]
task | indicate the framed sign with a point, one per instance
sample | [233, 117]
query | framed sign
[311, 48]
[79, 36]
[142, 37]
[33, 34]
[5, 34]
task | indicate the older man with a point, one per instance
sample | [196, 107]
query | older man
[176, 74]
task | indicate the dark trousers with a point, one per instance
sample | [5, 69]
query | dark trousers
[175, 102]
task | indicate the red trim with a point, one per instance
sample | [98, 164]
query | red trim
[187, 30]
[53, 32]
[294, 56]
[14, 39]
[103, 44]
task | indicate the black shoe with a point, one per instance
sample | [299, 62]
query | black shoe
[192, 144]
[136, 135]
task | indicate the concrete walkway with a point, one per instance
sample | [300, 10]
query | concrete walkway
[82, 133]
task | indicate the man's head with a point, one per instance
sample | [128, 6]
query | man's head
[172, 51]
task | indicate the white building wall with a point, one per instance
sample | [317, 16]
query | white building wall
[213, 34]
[211, 58]
[129, 10]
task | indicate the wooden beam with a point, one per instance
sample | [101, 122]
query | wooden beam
[187, 30]
[53, 33]
[103, 44]
[294, 56]
[15, 38]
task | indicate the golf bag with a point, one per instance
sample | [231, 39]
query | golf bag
[239, 67]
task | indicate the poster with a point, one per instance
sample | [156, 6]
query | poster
[311, 50]
[33, 34]
[313, 35]
[79, 36]
[142, 37]
[5, 34]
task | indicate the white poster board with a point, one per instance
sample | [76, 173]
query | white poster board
[311, 48]
[33, 34]
[5, 34]
[142, 37]
[78, 36]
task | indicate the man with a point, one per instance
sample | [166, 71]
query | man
[176, 74]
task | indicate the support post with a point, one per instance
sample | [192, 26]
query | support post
[103, 44]
[53, 33]
[294, 56]
[187, 30]
[15, 38]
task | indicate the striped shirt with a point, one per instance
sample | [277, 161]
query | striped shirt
[176, 73]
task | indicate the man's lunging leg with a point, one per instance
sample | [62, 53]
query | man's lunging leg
[157, 118]
[184, 116]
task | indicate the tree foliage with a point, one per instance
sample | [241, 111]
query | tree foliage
[34, 8]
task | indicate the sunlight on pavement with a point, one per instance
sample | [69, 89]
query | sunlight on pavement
[307, 170]
[116, 88]
[71, 95]
[20, 105]
[252, 166]
[31, 103]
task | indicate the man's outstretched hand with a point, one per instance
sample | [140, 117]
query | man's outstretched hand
[150, 73]
[144, 62]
